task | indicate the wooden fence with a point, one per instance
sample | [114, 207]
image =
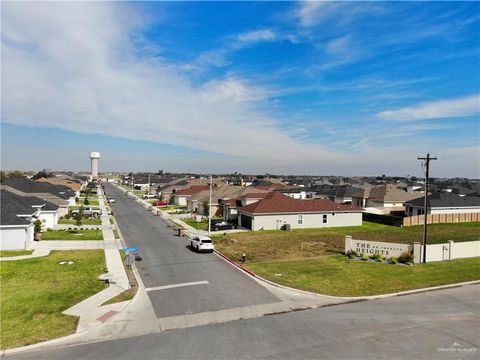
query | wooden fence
[441, 219]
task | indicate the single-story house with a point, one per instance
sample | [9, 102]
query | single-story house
[443, 203]
[17, 216]
[180, 197]
[230, 205]
[277, 210]
[384, 199]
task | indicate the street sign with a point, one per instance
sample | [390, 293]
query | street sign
[130, 259]
[130, 249]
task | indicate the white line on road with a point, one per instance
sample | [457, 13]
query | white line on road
[203, 282]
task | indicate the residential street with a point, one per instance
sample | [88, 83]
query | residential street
[195, 282]
[403, 327]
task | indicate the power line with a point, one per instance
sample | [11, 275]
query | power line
[425, 207]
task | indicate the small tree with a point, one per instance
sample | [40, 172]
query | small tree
[206, 209]
[79, 217]
[37, 226]
[86, 202]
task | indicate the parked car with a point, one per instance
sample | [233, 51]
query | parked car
[88, 211]
[221, 225]
[202, 243]
[148, 196]
[160, 203]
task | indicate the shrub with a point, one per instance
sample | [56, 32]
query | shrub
[37, 226]
[351, 254]
[376, 256]
[392, 260]
[86, 202]
[405, 258]
[364, 257]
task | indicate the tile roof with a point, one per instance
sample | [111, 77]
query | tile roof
[442, 199]
[279, 203]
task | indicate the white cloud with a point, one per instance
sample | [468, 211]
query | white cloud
[73, 66]
[257, 36]
[312, 12]
[339, 45]
[466, 106]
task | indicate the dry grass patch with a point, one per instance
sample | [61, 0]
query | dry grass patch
[308, 243]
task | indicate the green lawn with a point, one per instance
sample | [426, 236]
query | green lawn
[127, 294]
[7, 253]
[288, 245]
[203, 225]
[36, 291]
[84, 221]
[72, 235]
[337, 275]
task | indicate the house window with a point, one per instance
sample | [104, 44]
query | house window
[325, 219]
[300, 219]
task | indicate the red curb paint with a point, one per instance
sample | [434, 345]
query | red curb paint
[237, 265]
[107, 315]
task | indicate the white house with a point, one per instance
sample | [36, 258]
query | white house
[276, 211]
[443, 203]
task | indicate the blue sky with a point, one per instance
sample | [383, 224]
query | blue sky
[321, 88]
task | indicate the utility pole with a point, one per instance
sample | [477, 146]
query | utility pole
[210, 207]
[425, 207]
[148, 183]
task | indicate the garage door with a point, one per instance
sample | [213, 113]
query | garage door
[246, 221]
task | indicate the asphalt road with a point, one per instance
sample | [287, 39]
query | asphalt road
[442, 324]
[167, 260]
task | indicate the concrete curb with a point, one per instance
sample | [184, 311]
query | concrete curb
[346, 298]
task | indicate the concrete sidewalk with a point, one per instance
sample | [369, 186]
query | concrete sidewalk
[43, 248]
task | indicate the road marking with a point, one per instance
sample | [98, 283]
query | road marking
[203, 282]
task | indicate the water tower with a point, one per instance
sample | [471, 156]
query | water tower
[94, 156]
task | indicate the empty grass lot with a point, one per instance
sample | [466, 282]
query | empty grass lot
[338, 276]
[8, 253]
[36, 291]
[72, 235]
[287, 245]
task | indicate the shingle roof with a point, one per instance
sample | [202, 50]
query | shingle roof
[442, 199]
[390, 192]
[192, 190]
[255, 195]
[279, 203]
[12, 205]
[71, 184]
[29, 187]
